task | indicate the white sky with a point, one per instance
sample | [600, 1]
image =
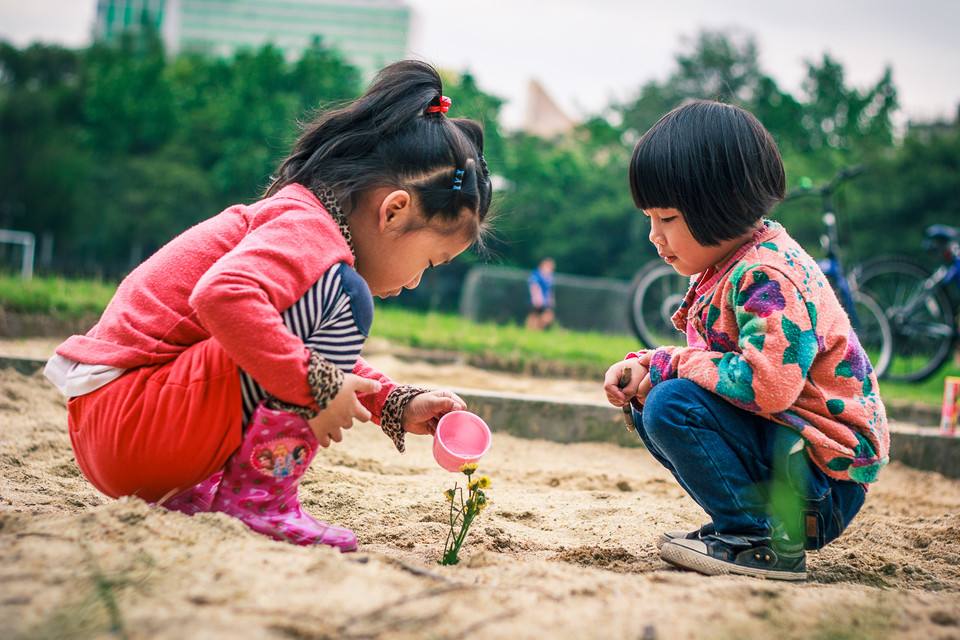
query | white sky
[587, 52]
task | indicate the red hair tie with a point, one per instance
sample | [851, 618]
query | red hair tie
[443, 107]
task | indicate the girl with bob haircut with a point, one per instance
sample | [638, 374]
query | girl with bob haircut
[770, 416]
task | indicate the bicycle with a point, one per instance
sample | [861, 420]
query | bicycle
[657, 290]
[918, 305]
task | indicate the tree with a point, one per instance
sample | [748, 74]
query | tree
[116, 148]
[128, 104]
[43, 162]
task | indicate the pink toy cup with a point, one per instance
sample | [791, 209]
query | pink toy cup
[461, 437]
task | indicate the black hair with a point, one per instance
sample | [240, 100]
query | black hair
[387, 137]
[715, 163]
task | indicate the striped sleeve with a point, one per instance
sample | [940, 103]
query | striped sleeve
[324, 319]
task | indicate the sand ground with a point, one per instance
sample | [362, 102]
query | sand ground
[566, 550]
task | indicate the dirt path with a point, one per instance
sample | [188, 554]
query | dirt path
[566, 551]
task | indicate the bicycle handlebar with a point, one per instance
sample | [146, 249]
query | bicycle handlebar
[847, 173]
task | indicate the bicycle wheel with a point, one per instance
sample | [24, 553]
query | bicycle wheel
[920, 313]
[873, 330]
[655, 294]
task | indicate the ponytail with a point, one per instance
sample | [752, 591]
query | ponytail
[395, 134]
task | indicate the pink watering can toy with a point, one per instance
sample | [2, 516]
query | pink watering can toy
[461, 437]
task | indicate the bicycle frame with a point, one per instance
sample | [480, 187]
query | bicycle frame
[832, 266]
[948, 274]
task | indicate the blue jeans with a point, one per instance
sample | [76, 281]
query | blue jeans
[750, 475]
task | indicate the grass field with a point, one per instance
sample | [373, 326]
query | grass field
[74, 298]
[55, 296]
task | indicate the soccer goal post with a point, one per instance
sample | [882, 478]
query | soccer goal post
[28, 242]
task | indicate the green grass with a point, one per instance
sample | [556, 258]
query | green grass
[448, 331]
[55, 296]
[585, 350]
[930, 391]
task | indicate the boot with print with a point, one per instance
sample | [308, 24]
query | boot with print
[197, 498]
[261, 479]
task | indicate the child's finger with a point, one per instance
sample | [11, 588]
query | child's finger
[456, 402]
[615, 395]
[365, 385]
[336, 435]
[611, 379]
[446, 405]
[644, 388]
[459, 403]
[360, 412]
[323, 440]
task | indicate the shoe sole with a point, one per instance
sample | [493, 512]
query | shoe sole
[685, 558]
[663, 539]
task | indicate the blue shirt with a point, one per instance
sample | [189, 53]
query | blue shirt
[544, 283]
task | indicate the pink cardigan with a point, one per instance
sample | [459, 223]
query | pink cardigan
[229, 278]
[767, 334]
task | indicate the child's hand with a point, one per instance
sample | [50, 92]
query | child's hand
[619, 396]
[645, 384]
[421, 414]
[643, 389]
[343, 410]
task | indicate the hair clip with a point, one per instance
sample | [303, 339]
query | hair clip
[457, 179]
[443, 107]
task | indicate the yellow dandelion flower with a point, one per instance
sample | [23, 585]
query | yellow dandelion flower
[483, 482]
[473, 484]
[449, 493]
[469, 468]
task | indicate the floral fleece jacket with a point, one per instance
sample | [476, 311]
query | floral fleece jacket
[767, 334]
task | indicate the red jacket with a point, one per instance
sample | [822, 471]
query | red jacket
[229, 278]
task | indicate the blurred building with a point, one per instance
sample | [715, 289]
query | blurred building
[544, 116]
[370, 33]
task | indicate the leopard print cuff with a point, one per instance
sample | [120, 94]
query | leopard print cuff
[324, 378]
[325, 381]
[391, 417]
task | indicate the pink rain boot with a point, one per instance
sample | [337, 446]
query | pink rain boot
[197, 498]
[260, 482]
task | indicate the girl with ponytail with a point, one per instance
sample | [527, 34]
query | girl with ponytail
[228, 357]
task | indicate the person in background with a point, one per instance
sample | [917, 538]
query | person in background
[540, 283]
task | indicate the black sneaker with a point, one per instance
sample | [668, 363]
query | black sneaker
[743, 555]
[696, 534]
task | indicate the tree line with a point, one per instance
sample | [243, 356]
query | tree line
[108, 151]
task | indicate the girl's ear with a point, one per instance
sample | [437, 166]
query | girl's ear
[395, 210]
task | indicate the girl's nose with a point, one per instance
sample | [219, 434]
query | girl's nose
[655, 236]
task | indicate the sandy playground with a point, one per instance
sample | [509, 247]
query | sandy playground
[566, 550]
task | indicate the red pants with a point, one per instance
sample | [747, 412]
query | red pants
[159, 429]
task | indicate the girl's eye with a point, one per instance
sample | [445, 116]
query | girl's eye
[668, 219]
[430, 262]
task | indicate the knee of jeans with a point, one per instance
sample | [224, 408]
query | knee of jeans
[666, 408]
